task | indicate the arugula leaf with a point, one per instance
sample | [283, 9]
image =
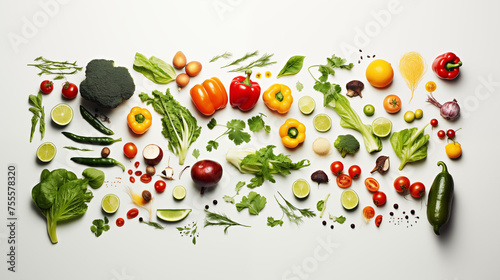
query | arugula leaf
[256, 123]
[212, 123]
[234, 132]
[196, 153]
[410, 145]
[336, 219]
[292, 66]
[299, 86]
[254, 202]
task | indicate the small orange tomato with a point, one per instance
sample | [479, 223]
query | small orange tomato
[392, 103]
[368, 212]
[371, 184]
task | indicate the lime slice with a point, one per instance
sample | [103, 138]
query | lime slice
[322, 122]
[61, 114]
[382, 127]
[46, 152]
[349, 199]
[172, 215]
[179, 192]
[306, 105]
[110, 203]
[301, 188]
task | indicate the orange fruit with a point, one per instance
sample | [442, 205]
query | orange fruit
[379, 73]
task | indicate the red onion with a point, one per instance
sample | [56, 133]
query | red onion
[449, 110]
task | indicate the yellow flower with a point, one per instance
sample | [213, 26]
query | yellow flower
[268, 74]
[258, 75]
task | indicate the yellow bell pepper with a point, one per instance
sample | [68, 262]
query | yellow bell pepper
[139, 120]
[292, 133]
[278, 98]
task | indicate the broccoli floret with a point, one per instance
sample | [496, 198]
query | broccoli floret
[346, 144]
[106, 84]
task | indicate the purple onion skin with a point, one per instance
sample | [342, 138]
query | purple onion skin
[450, 110]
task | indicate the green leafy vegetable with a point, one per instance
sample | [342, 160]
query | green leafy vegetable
[179, 126]
[152, 224]
[196, 153]
[256, 123]
[155, 69]
[94, 176]
[263, 61]
[234, 132]
[216, 219]
[224, 55]
[38, 114]
[263, 164]
[335, 219]
[77, 149]
[189, 230]
[245, 57]
[346, 144]
[254, 202]
[410, 145]
[99, 226]
[60, 196]
[59, 68]
[299, 86]
[292, 66]
[230, 199]
[289, 210]
[328, 68]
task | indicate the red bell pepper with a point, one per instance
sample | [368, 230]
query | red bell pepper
[446, 66]
[243, 93]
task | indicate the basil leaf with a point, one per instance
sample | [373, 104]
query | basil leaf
[320, 205]
[292, 66]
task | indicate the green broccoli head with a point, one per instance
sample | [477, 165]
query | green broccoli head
[346, 144]
[105, 84]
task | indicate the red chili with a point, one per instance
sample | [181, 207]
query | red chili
[132, 179]
[130, 172]
[138, 173]
[120, 222]
[136, 164]
[146, 178]
[132, 213]
[378, 220]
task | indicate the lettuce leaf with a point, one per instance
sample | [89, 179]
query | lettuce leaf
[410, 145]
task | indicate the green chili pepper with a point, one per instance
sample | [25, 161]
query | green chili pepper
[93, 121]
[91, 140]
[98, 162]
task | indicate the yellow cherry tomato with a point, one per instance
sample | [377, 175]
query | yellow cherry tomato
[453, 150]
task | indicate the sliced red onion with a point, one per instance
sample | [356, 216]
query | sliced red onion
[449, 110]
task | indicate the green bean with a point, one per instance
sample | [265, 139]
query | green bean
[98, 162]
[93, 121]
[91, 140]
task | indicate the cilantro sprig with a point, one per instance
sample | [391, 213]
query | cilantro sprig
[254, 202]
[256, 123]
[328, 68]
[234, 132]
[230, 199]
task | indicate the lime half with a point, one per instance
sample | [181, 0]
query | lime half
[110, 203]
[46, 152]
[382, 127]
[301, 188]
[179, 192]
[172, 215]
[322, 122]
[61, 114]
[349, 199]
[306, 105]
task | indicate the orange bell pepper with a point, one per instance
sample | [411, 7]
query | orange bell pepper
[278, 98]
[139, 120]
[292, 133]
[209, 96]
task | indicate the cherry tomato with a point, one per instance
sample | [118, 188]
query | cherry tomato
[136, 164]
[379, 198]
[368, 212]
[146, 178]
[417, 190]
[130, 150]
[130, 172]
[441, 134]
[337, 168]
[434, 122]
[138, 173]
[132, 179]
[392, 103]
[372, 184]
[344, 181]
[132, 213]
[378, 220]
[69, 90]
[450, 133]
[120, 222]
[46, 86]
[354, 172]
[402, 184]
[160, 186]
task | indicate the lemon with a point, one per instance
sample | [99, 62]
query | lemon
[379, 73]
[301, 188]
[61, 114]
[322, 122]
[172, 215]
[349, 199]
[110, 203]
[306, 105]
[382, 127]
[179, 192]
[46, 152]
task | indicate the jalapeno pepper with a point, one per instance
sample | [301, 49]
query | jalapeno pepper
[292, 133]
[446, 66]
[90, 140]
[278, 98]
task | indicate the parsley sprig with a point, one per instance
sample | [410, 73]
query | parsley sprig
[328, 68]
[234, 132]
[254, 202]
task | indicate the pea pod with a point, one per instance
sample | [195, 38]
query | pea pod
[91, 140]
[93, 121]
[440, 199]
[98, 162]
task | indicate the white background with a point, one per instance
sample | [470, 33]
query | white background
[83, 30]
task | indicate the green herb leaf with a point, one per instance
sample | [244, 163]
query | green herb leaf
[229, 199]
[272, 222]
[77, 149]
[216, 219]
[224, 55]
[196, 153]
[236, 133]
[339, 220]
[320, 205]
[239, 185]
[299, 86]
[95, 177]
[237, 61]
[153, 224]
[292, 66]
[212, 145]
[263, 61]
[254, 202]
[106, 220]
[212, 123]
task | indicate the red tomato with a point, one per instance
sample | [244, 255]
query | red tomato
[372, 184]
[69, 90]
[120, 222]
[392, 103]
[368, 212]
[132, 213]
[378, 220]
[46, 86]
[402, 184]
[146, 178]
[434, 122]
[160, 186]
[138, 173]
[132, 179]
[130, 172]
[441, 134]
[379, 198]
[130, 150]
[344, 181]
[337, 168]
[417, 190]
[355, 171]
[136, 164]
[450, 133]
